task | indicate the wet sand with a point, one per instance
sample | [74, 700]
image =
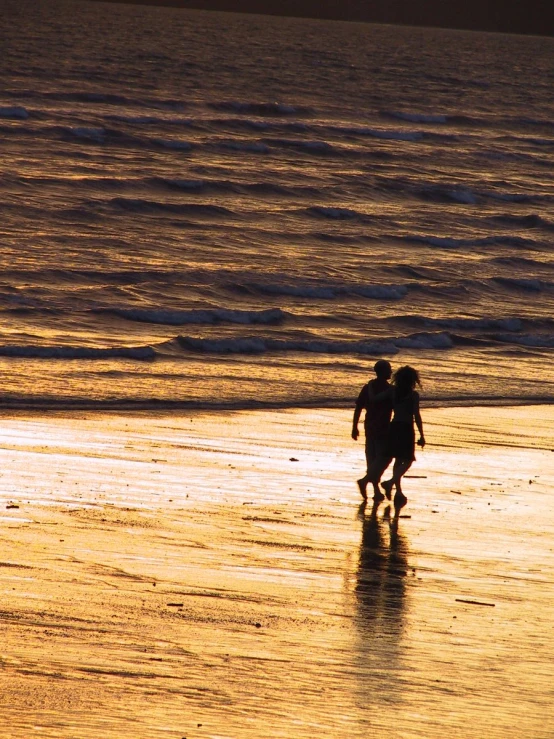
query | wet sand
[213, 575]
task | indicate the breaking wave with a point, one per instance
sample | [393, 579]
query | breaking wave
[467, 324]
[261, 345]
[261, 109]
[210, 317]
[529, 284]
[330, 292]
[530, 340]
[77, 352]
[416, 117]
[14, 111]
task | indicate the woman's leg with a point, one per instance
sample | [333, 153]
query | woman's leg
[401, 466]
[387, 487]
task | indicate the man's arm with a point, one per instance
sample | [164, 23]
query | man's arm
[357, 413]
[355, 420]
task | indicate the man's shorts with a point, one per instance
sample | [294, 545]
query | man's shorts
[375, 448]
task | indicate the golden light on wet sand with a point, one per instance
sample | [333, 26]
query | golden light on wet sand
[213, 575]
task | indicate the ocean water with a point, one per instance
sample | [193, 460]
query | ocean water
[215, 210]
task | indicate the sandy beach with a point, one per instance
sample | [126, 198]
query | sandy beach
[214, 575]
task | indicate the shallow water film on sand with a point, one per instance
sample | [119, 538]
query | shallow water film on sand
[220, 210]
[159, 580]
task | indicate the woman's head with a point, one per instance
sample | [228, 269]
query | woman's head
[405, 379]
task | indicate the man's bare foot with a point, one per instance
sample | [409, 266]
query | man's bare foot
[387, 487]
[362, 485]
[378, 497]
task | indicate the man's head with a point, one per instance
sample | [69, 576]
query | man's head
[383, 369]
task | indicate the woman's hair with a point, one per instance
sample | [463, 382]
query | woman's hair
[405, 379]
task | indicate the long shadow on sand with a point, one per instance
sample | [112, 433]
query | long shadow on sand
[381, 603]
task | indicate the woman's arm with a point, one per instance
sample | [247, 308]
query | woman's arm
[418, 421]
[377, 397]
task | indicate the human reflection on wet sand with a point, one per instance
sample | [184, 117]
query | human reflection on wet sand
[381, 603]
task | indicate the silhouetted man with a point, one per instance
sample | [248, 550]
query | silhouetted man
[376, 423]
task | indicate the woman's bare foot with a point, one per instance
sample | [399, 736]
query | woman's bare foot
[362, 485]
[387, 487]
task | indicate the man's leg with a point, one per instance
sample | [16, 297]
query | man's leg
[370, 455]
[378, 464]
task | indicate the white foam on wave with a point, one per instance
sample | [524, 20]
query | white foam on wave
[14, 111]
[214, 316]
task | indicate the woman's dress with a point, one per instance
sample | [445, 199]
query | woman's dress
[401, 434]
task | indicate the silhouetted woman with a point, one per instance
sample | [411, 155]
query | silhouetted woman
[401, 436]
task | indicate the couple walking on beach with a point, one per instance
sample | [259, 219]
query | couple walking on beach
[390, 413]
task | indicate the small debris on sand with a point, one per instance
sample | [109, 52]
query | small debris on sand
[475, 602]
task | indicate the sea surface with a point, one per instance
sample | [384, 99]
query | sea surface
[216, 210]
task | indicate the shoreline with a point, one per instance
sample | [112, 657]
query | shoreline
[167, 407]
